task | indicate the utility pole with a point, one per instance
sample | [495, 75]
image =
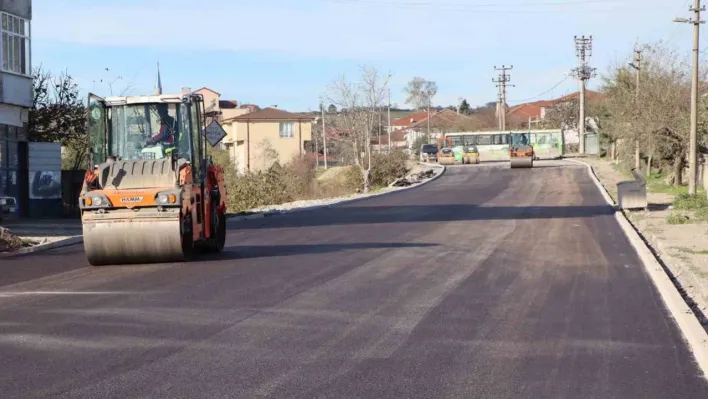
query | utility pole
[317, 147]
[499, 108]
[379, 129]
[692, 154]
[501, 82]
[428, 95]
[389, 120]
[324, 139]
[637, 65]
[583, 50]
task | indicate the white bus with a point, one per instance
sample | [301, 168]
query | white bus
[494, 145]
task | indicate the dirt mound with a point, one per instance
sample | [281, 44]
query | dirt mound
[333, 173]
[8, 242]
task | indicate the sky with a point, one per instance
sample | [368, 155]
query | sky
[286, 52]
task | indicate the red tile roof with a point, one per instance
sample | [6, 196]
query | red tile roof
[270, 114]
[445, 117]
[533, 109]
[526, 110]
[589, 95]
[409, 120]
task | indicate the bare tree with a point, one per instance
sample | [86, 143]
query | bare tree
[268, 154]
[563, 115]
[657, 115]
[357, 102]
[420, 92]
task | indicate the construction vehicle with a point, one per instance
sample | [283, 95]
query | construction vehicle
[446, 155]
[521, 152]
[471, 155]
[151, 193]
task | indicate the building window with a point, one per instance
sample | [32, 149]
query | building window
[16, 45]
[287, 129]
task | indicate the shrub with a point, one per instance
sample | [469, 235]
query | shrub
[690, 202]
[677, 218]
[297, 180]
[353, 179]
[386, 168]
[300, 178]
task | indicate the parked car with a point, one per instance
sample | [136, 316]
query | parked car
[428, 153]
[7, 205]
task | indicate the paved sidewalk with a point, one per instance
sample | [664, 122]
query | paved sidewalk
[683, 248]
[45, 233]
[44, 228]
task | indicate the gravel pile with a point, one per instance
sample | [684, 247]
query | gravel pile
[414, 178]
[9, 242]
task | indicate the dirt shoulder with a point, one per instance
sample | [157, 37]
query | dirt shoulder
[679, 237]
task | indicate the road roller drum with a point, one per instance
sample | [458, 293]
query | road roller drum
[521, 162]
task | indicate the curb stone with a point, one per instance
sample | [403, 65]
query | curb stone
[79, 239]
[693, 332]
[42, 247]
[344, 201]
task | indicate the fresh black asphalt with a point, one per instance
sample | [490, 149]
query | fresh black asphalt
[486, 283]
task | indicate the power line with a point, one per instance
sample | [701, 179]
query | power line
[485, 5]
[543, 93]
[674, 34]
[533, 7]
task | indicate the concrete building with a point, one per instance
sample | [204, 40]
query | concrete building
[213, 102]
[257, 139]
[15, 101]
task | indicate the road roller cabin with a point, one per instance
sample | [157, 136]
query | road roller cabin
[521, 152]
[151, 193]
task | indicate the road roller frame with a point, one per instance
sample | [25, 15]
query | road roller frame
[445, 158]
[471, 155]
[521, 153]
[151, 193]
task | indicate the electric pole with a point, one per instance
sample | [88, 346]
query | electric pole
[637, 65]
[692, 154]
[501, 82]
[324, 139]
[428, 95]
[379, 129]
[583, 50]
[389, 120]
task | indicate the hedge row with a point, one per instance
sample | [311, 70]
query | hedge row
[297, 180]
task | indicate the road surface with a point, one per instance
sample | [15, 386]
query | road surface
[486, 283]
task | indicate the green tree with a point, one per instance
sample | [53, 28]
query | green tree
[57, 113]
[464, 107]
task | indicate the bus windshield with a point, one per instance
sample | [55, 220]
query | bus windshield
[149, 131]
[519, 139]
